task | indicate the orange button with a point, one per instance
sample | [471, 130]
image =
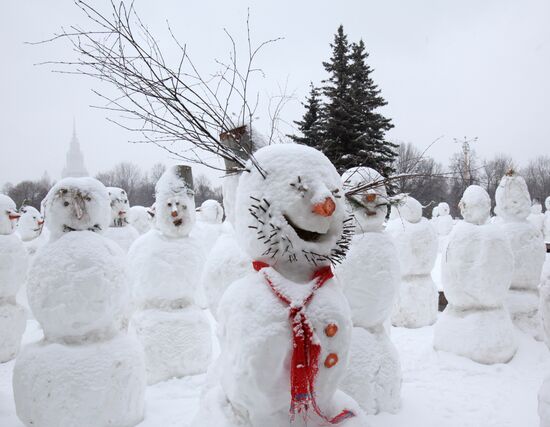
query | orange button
[331, 330]
[331, 360]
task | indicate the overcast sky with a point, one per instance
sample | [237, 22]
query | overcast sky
[452, 68]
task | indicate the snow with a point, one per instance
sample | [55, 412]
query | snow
[29, 226]
[547, 220]
[536, 217]
[140, 218]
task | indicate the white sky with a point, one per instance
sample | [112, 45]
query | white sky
[468, 68]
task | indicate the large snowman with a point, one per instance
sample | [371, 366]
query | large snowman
[417, 243]
[370, 275]
[544, 392]
[477, 271]
[120, 230]
[285, 328]
[84, 372]
[13, 269]
[165, 266]
[513, 206]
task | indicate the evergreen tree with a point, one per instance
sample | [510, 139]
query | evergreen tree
[310, 125]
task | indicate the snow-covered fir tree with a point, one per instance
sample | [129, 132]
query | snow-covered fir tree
[310, 126]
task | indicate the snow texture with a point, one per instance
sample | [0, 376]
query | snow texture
[513, 206]
[123, 236]
[370, 276]
[13, 270]
[211, 212]
[140, 218]
[165, 269]
[544, 392]
[536, 217]
[252, 387]
[444, 221]
[417, 245]
[547, 220]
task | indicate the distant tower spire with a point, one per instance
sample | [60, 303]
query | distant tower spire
[74, 166]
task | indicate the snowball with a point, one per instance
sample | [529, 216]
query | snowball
[374, 379]
[30, 224]
[475, 205]
[77, 285]
[140, 218]
[176, 343]
[97, 384]
[75, 204]
[12, 325]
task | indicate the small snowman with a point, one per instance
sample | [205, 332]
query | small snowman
[165, 266]
[85, 372]
[370, 275]
[444, 222]
[30, 227]
[477, 271]
[536, 217]
[285, 327]
[13, 269]
[513, 205]
[209, 225]
[119, 230]
[546, 226]
[417, 244]
[544, 392]
[140, 218]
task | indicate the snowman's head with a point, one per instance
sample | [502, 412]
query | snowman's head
[290, 209]
[409, 209]
[513, 202]
[443, 209]
[77, 204]
[536, 207]
[8, 215]
[119, 206]
[435, 212]
[30, 224]
[370, 206]
[475, 205]
[140, 218]
[211, 212]
[175, 202]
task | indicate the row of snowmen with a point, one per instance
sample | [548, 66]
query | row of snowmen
[285, 326]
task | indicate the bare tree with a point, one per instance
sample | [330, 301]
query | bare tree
[27, 192]
[493, 171]
[537, 177]
[205, 191]
[164, 104]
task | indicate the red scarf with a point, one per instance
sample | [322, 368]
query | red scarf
[306, 350]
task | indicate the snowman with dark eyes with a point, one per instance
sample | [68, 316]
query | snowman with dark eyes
[285, 328]
[165, 267]
[120, 230]
[13, 268]
[371, 276]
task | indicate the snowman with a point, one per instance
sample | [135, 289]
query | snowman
[140, 218]
[30, 227]
[546, 226]
[370, 275]
[513, 206]
[84, 372]
[544, 392]
[13, 269]
[536, 217]
[417, 243]
[209, 225]
[477, 272]
[444, 222]
[165, 266]
[119, 230]
[285, 328]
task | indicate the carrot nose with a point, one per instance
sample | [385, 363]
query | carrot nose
[371, 197]
[41, 222]
[174, 213]
[13, 215]
[325, 208]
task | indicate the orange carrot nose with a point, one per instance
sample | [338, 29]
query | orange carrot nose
[325, 208]
[371, 197]
[13, 215]
[41, 222]
[174, 213]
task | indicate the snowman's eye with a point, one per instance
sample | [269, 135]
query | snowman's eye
[177, 203]
[169, 205]
[335, 193]
[299, 186]
[65, 203]
[88, 199]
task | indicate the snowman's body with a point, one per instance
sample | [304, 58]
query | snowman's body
[417, 244]
[546, 225]
[120, 231]
[371, 276]
[85, 372]
[536, 217]
[513, 206]
[477, 272]
[140, 218]
[297, 210]
[13, 270]
[544, 392]
[166, 265]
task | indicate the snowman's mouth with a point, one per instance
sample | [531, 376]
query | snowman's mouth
[306, 235]
[178, 222]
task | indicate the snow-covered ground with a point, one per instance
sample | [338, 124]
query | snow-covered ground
[439, 390]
